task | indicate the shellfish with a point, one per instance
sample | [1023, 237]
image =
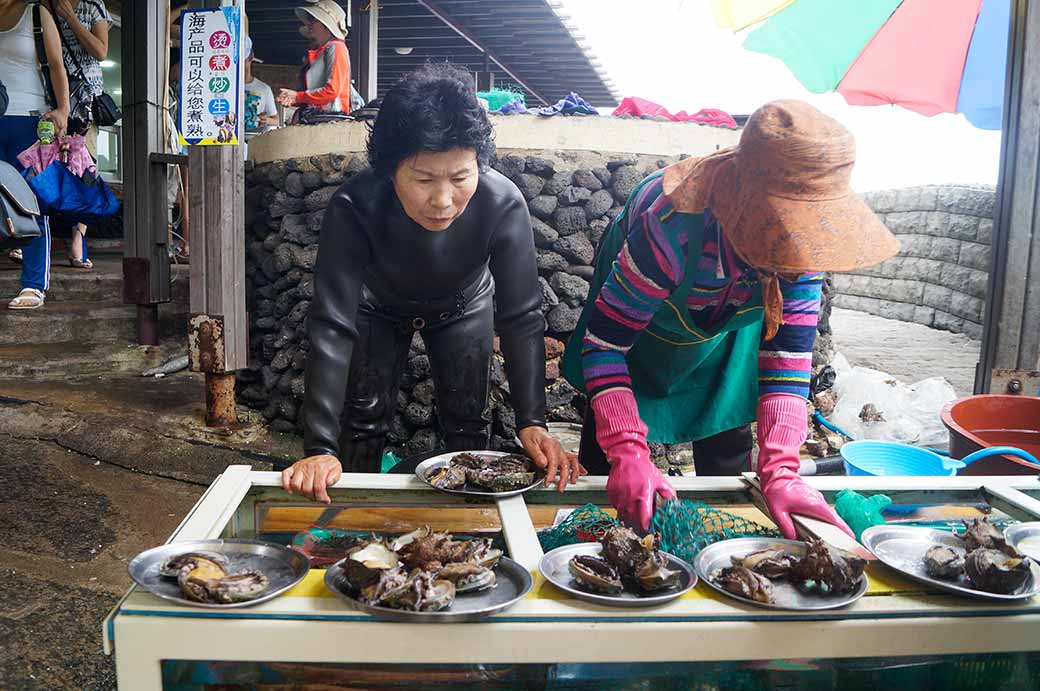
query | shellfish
[595, 573]
[980, 533]
[447, 477]
[420, 592]
[745, 583]
[468, 577]
[942, 562]
[173, 567]
[827, 570]
[995, 572]
[774, 564]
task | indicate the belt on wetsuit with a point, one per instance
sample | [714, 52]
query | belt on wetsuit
[418, 315]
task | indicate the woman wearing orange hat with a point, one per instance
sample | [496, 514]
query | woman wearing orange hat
[704, 306]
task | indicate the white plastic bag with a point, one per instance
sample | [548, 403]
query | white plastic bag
[910, 412]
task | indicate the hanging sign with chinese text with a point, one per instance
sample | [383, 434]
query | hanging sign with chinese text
[211, 76]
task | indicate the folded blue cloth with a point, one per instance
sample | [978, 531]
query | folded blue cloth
[571, 104]
[516, 107]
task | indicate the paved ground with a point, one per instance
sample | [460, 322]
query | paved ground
[910, 352]
[95, 470]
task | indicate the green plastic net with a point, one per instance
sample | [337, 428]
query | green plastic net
[497, 98]
[685, 527]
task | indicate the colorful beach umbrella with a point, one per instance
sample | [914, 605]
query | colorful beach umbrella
[931, 56]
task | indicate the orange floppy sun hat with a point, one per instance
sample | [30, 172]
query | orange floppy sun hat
[782, 195]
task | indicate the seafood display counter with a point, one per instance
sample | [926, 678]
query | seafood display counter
[898, 632]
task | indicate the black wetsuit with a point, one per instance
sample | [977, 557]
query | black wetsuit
[380, 277]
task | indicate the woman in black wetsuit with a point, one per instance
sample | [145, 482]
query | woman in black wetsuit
[428, 239]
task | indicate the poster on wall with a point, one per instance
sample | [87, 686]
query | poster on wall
[211, 76]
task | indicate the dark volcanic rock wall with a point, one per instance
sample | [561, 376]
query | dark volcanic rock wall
[285, 203]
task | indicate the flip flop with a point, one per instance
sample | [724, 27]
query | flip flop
[27, 299]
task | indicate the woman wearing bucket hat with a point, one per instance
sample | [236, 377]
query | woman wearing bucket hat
[703, 310]
[325, 76]
[429, 239]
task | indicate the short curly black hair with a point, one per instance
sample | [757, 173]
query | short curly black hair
[433, 108]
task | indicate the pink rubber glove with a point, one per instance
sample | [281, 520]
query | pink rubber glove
[782, 426]
[634, 480]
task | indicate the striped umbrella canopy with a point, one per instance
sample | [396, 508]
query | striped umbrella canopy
[931, 56]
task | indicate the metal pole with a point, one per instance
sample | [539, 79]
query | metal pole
[148, 324]
[220, 400]
[1010, 354]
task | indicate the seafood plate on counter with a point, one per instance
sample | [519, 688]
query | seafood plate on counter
[481, 473]
[424, 573]
[978, 563]
[218, 573]
[783, 574]
[622, 569]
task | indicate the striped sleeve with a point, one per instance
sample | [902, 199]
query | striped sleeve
[647, 270]
[785, 363]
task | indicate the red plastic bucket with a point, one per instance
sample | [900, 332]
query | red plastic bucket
[977, 422]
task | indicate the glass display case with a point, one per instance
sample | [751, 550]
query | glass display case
[899, 632]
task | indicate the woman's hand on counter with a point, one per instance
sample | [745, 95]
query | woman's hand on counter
[310, 477]
[547, 453]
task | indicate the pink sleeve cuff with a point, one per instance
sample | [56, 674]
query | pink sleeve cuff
[617, 419]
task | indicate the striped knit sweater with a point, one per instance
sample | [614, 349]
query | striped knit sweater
[652, 264]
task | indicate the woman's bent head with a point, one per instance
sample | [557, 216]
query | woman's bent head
[432, 138]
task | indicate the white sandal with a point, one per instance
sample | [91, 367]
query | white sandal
[27, 299]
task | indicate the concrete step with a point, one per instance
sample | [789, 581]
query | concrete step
[84, 323]
[60, 361]
[102, 283]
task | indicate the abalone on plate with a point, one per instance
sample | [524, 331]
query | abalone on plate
[980, 533]
[996, 572]
[595, 574]
[827, 570]
[745, 583]
[944, 563]
[774, 564]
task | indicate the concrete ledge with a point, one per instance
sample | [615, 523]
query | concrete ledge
[518, 132]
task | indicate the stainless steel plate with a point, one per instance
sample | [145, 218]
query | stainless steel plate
[1025, 537]
[514, 582]
[554, 566]
[786, 596]
[903, 548]
[469, 490]
[284, 568]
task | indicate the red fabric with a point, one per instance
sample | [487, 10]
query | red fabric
[338, 85]
[916, 59]
[633, 105]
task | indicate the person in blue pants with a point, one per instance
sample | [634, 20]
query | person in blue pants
[30, 95]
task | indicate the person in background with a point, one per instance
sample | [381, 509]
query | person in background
[84, 25]
[28, 98]
[176, 175]
[261, 109]
[325, 76]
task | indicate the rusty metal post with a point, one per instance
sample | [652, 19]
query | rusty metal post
[148, 324]
[220, 400]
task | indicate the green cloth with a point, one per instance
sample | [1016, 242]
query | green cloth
[497, 98]
[820, 39]
[689, 383]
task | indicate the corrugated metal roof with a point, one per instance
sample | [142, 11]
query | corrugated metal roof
[529, 43]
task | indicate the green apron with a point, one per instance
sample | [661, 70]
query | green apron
[689, 383]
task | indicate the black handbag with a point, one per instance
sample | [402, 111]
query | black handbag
[19, 209]
[84, 106]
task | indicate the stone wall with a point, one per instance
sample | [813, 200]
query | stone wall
[285, 202]
[939, 276]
